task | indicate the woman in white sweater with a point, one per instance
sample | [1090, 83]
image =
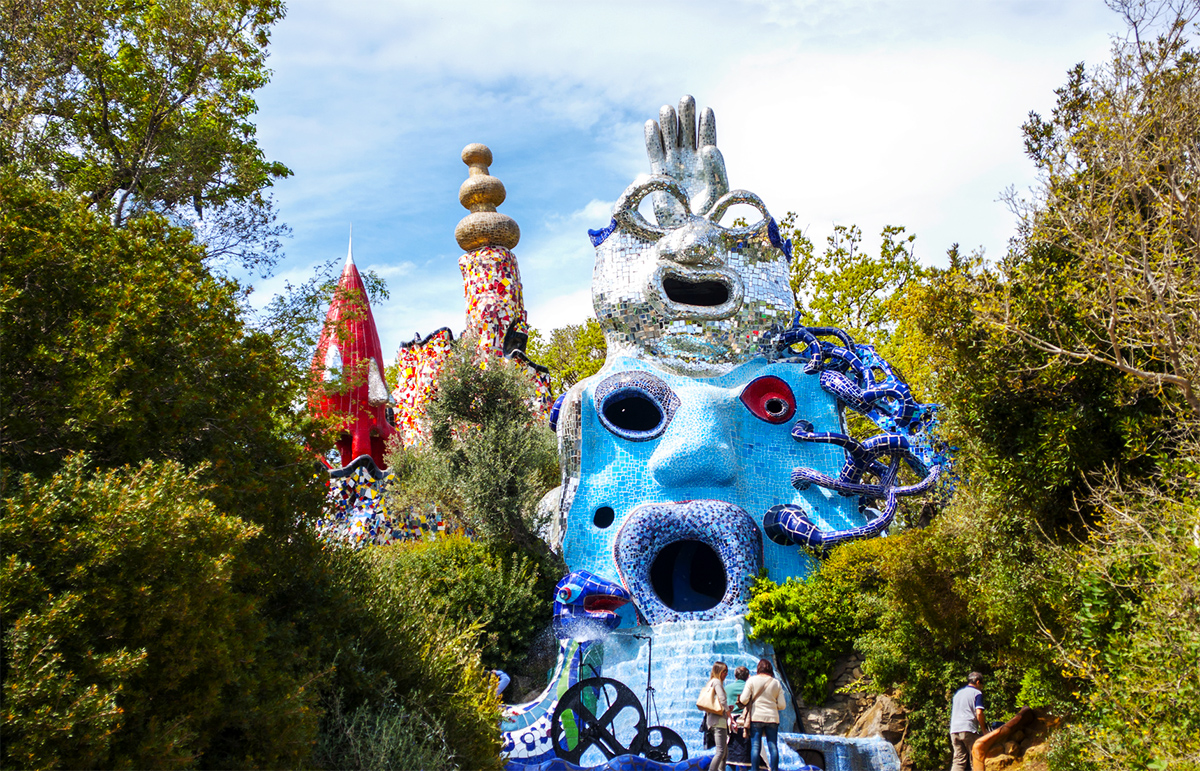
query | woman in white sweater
[764, 698]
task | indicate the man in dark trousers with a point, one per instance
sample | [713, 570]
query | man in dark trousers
[966, 721]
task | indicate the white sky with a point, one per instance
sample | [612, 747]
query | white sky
[859, 112]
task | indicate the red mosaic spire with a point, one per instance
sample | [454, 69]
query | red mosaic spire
[349, 349]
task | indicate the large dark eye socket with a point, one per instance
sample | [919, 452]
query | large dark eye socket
[632, 411]
[769, 399]
[635, 405]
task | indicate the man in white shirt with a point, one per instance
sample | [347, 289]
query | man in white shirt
[966, 721]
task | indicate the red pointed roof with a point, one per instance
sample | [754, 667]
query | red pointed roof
[349, 349]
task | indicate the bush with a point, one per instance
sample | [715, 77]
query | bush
[474, 584]
[391, 736]
[122, 635]
[488, 460]
[1134, 638]
[399, 646]
[811, 623]
[931, 635]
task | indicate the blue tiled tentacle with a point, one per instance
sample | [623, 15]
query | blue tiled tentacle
[863, 381]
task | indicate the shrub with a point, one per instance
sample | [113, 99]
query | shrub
[474, 584]
[391, 736]
[811, 623]
[488, 460]
[399, 646]
[122, 635]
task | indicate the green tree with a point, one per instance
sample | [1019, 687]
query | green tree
[475, 584]
[1119, 190]
[121, 343]
[122, 628]
[488, 460]
[572, 353]
[145, 107]
[811, 623]
[847, 288]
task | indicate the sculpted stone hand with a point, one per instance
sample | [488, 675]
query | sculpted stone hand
[677, 150]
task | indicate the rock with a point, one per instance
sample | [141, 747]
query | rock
[998, 762]
[1018, 735]
[885, 717]
[1012, 748]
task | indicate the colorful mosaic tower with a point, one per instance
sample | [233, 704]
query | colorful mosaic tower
[495, 305]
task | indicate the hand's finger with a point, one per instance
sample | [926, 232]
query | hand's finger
[713, 164]
[654, 145]
[670, 129]
[687, 122]
[708, 128]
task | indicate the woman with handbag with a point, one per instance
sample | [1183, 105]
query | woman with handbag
[712, 701]
[764, 698]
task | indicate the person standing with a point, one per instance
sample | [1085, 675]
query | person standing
[718, 724]
[764, 698]
[966, 721]
[739, 733]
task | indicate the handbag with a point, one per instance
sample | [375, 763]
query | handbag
[746, 713]
[708, 701]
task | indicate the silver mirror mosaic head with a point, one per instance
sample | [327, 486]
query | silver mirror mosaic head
[685, 292]
[691, 295]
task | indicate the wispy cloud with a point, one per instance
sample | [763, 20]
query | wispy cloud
[864, 111]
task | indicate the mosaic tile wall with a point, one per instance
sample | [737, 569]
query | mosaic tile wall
[644, 276]
[714, 448]
[712, 441]
[420, 365]
[357, 514]
[495, 306]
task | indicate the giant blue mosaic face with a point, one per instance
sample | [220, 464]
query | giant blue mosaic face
[676, 474]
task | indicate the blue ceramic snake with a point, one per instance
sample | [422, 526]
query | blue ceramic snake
[584, 611]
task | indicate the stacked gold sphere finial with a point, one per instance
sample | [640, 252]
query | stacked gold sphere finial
[481, 194]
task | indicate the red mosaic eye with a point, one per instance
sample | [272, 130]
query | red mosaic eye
[770, 399]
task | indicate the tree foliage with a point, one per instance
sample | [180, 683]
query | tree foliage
[145, 107]
[1120, 189]
[121, 343]
[122, 629]
[1135, 636]
[846, 288]
[811, 623]
[488, 460]
[572, 353]
[473, 584]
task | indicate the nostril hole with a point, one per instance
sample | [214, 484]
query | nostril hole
[604, 517]
[776, 406]
[633, 412]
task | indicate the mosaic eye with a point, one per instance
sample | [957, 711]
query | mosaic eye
[635, 405]
[769, 399]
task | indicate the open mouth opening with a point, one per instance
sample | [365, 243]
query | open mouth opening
[688, 576]
[602, 603]
[705, 294]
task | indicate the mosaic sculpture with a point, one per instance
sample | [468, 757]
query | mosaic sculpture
[496, 316]
[349, 361]
[350, 357]
[717, 419]
[420, 365]
[349, 384]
